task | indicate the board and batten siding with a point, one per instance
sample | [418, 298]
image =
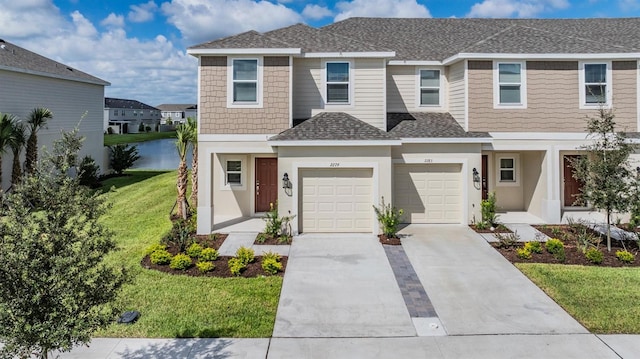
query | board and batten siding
[368, 103]
[455, 74]
[553, 98]
[69, 101]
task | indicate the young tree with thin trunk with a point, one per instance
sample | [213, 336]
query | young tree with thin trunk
[182, 144]
[6, 131]
[17, 143]
[37, 119]
[604, 169]
[192, 125]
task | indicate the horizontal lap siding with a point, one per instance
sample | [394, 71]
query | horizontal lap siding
[401, 88]
[552, 96]
[456, 92]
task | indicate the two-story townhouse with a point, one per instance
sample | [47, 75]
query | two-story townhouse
[178, 112]
[126, 116]
[431, 114]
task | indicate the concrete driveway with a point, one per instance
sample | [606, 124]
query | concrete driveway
[340, 286]
[475, 290]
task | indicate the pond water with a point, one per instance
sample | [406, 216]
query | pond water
[159, 155]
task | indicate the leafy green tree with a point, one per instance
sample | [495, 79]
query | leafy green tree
[604, 169]
[192, 126]
[37, 119]
[182, 144]
[122, 157]
[55, 287]
[6, 131]
[17, 143]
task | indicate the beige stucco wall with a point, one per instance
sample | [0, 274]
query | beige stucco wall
[290, 158]
[466, 154]
[552, 98]
[271, 118]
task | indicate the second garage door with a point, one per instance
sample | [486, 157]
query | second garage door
[429, 193]
[336, 200]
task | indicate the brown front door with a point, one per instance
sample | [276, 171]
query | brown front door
[485, 176]
[571, 185]
[266, 183]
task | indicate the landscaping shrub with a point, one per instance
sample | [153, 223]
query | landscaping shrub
[179, 235]
[488, 209]
[141, 127]
[208, 255]
[261, 238]
[556, 247]
[271, 255]
[180, 262]
[154, 247]
[271, 266]
[389, 218]
[205, 266]
[276, 226]
[194, 250]
[506, 240]
[245, 255]
[523, 253]
[236, 266]
[109, 131]
[533, 247]
[122, 157]
[625, 256]
[147, 128]
[594, 256]
[161, 256]
[88, 173]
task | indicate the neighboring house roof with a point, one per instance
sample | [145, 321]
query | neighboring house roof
[16, 58]
[428, 125]
[333, 126]
[110, 102]
[177, 107]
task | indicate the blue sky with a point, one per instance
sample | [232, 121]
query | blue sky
[140, 46]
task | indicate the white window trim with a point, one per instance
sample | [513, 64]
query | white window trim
[442, 89]
[582, 91]
[243, 174]
[260, 80]
[516, 169]
[523, 86]
[351, 101]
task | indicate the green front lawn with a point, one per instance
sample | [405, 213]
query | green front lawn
[176, 305]
[604, 300]
[136, 137]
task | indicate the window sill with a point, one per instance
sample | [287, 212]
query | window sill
[514, 106]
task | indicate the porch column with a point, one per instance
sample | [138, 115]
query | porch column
[551, 204]
[205, 184]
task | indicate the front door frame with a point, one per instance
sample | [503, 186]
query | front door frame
[565, 165]
[484, 177]
[271, 186]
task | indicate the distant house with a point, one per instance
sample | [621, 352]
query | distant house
[178, 112]
[125, 116]
[29, 80]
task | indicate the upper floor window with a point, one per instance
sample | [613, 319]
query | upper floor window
[338, 82]
[510, 89]
[244, 87]
[429, 87]
[595, 84]
[123, 112]
[115, 112]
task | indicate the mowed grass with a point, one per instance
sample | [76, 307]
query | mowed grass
[116, 139]
[604, 300]
[175, 305]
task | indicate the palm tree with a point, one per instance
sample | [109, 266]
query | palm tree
[37, 119]
[192, 126]
[6, 124]
[16, 143]
[182, 143]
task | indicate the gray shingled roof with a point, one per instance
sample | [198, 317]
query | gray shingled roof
[246, 40]
[16, 58]
[428, 125]
[176, 106]
[332, 126]
[110, 102]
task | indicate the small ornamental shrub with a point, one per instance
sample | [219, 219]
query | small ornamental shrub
[261, 238]
[205, 266]
[141, 127]
[180, 262]
[236, 266]
[507, 240]
[245, 255]
[594, 256]
[194, 250]
[284, 239]
[154, 247]
[122, 157]
[147, 128]
[523, 253]
[533, 247]
[160, 257]
[273, 226]
[389, 218]
[110, 130]
[88, 172]
[625, 256]
[271, 266]
[488, 210]
[208, 255]
[271, 255]
[556, 247]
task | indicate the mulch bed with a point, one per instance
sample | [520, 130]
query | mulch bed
[207, 241]
[499, 229]
[271, 241]
[221, 269]
[394, 241]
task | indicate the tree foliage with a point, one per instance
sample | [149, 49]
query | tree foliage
[37, 119]
[182, 144]
[55, 287]
[604, 169]
[122, 157]
[6, 133]
[192, 126]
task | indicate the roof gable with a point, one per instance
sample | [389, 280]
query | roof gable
[110, 102]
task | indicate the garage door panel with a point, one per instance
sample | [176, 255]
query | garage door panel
[429, 193]
[336, 200]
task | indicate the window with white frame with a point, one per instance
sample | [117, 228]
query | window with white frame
[123, 112]
[234, 173]
[429, 87]
[507, 169]
[510, 85]
[338, 82]
[245, 80]
[115, 112]
[595, 79]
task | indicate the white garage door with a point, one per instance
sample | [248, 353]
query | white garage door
[336, 200]
[429, 193]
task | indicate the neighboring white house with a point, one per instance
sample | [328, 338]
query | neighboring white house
[28, 80]
[178, 112]
[125, 116]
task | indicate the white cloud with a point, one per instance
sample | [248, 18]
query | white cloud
[205, 20]
[517, 8]
[113, 20]
[23, 19]
[381, 8]
[629, 5]
[316, 12]
[142, 12]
